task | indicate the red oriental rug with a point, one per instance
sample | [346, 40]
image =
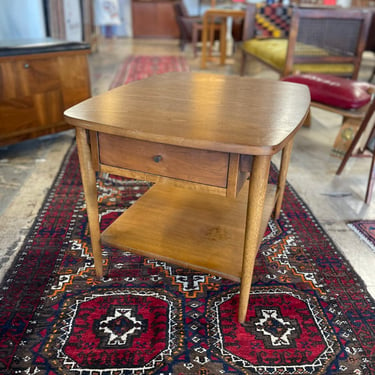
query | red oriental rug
[309, 312]
[365, 229]
[140, 66]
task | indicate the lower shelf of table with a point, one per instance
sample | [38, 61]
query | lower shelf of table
[192, 229]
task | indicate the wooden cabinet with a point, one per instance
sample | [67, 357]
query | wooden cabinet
[154, 18]
[37, 83]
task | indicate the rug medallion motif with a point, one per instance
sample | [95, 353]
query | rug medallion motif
[150, 317]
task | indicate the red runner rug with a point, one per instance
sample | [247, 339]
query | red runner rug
[309, 312]
[139, 67]
[365, 229]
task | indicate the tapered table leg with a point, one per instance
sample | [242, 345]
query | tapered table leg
[256, 199]
[285, 158]
[91, 196]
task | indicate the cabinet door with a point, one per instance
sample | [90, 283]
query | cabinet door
[74, 79]
[30, 97]
[36, 89]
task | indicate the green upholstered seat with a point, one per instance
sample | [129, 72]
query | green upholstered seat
[273, 52]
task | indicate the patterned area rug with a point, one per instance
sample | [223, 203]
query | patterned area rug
[365, 230]
[140, 66]
[309, 313]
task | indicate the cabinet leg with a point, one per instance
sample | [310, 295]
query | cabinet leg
[91, 197]
[256, 199]
[285, 158]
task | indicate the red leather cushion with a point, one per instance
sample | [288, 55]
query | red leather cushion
[334, 91]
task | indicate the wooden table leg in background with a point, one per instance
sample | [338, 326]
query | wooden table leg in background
[204, 41]
[91, 197]
[256, 199]
[223, 40]
[209, 17]
[285, 158]
[208, 23]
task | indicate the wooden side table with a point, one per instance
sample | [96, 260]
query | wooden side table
[198, 137]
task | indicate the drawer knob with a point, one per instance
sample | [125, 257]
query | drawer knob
[26, 66]
[157, 158]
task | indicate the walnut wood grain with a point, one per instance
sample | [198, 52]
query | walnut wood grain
[35, 90]
[199, 110]
[201, 166]
[201, 231]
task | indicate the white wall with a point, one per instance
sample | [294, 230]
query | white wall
[192, 6]
[73, 20]
[21, 19]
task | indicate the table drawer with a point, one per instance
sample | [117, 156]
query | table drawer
[200, 166]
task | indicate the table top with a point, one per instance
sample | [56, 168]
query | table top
[199, 110]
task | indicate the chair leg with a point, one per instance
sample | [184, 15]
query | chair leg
[243, 63]
[349, 152]
[183, 39]
[182, 44]
[307, 122]
[194, 40]
[372, 75]
[371, 179]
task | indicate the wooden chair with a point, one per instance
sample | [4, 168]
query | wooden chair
[364, 142]
[191, 27]
[346, 97]
[319, 40]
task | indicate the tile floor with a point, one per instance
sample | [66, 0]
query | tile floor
[27, 169]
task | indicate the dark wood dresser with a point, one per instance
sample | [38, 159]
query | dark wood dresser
[154, 19]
